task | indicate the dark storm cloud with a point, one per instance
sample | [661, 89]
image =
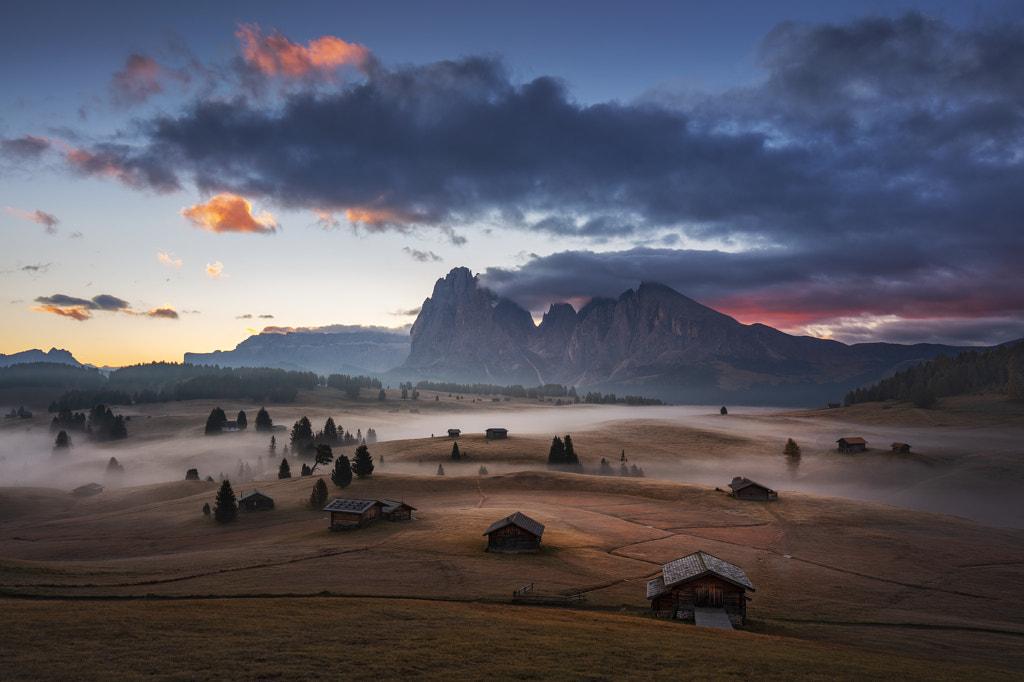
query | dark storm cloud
[875, 168]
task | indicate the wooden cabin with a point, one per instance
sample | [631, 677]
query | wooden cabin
[703, 581]
[454, 433]
[494, 434]
[900, 447]
[848, 445]
[745, 489]
[255, 501]
[514, 534]
[347, 514]
[833, 406]
[396, 511]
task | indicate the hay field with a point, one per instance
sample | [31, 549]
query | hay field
[845, 588]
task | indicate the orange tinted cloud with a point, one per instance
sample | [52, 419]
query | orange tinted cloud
[75, 312]
[97, 164]
[168, 259]
[167, 312]
[228, 213]
[215, 271]
[325, 218]
[275, 54]
[47, 220]
[374, 218]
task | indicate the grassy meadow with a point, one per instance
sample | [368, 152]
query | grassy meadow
[135, 582]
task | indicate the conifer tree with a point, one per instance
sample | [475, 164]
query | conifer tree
[226, 508]
[318, 498]
[556, 455]
[792, 453]
[273, 446]
[263, 421]
[206, 509]
[324, 456]
[362, 466]
[440, 470]
[242, 421]
[456, 457]
[284, 471]
[215, 421]
[483, 470]
[192, 475]
[62, 442]
[305, 471]
[302, 437]
[342, 474]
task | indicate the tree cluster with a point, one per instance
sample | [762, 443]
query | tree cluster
[998, 370]
[103, 425]
[562, 455]
[352, 385]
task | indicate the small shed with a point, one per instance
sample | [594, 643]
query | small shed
[699, 580]
[229, 426]
[255, 501]
[495, 434]
[745, 489]
[396, 511]
[900, 447]
[833, 406]
[87, 490]
[454, 433]
[852, 444]
[347, 514]
[515, 534]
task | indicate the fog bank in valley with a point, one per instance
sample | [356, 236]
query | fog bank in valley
[974, 473]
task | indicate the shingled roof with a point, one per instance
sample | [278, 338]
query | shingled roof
[391, 505]
[353, 506]
[740, 482]
[694, 566]
[518, 519]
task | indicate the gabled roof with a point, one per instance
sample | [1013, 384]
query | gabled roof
[391, 505]
[353, 506]
[253, 493]
[88, 489]
[853, 441]
[742, 482]
[655, 586]
[699, 564]
[518, 519]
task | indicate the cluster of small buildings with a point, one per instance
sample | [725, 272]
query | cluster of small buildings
[348, 514]
[857, 444]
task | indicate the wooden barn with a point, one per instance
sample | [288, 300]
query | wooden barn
[494, 434]
[396, 511]
[255, 501]
[454, 433]
[848, 445]
[745, 489]
[900, 447]
[699, 580]
[347, 514]
[514, 534]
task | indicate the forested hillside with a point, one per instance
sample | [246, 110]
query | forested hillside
[998, 370]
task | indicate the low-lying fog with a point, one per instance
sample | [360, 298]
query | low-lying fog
[974, 473]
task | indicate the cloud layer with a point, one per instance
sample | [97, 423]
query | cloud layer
[82, 309]
[870, 180]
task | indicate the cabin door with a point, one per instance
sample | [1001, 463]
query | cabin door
[709, 596]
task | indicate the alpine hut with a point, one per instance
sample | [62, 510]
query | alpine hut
[699, 580]
[347, 514]
[255, 501]
[848, 445]
[515, 534]
[745, 489]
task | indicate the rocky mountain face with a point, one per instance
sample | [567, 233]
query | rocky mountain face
[360, 351]
[652, 341]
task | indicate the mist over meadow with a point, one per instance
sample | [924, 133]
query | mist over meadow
[965, 472]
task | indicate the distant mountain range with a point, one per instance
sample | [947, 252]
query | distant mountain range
[652, 341]
[54, 355]
[353, 351]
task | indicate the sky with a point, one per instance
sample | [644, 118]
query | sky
[175, 177]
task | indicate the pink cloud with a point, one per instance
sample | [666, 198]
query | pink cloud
[274, 54]
[141, 78]
[47, 220]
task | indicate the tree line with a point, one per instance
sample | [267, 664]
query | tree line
[998, 370]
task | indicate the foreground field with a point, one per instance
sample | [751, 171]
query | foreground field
[374, 639]
[136, 580]
[865, 576]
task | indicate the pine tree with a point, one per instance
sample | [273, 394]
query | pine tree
[305, 471]
[242, 421]
[381, 395]
[440, 470]
[114, 467]
[570, 453]
[342, 474]
[556, 455]
[606, 468]
[263, 421]
[302, 437]
[456, 457]
[206, 509]
[226, 508]
[483, 470]
[792, 453]
[215, 421]
[324, 456]
[362, 466]
[284, 471]
[330, 432]
[192, 475]
[62, 443]
[318, 498]
[273, 447]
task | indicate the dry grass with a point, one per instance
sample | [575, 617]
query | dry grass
[907, 589]
[369, 639]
